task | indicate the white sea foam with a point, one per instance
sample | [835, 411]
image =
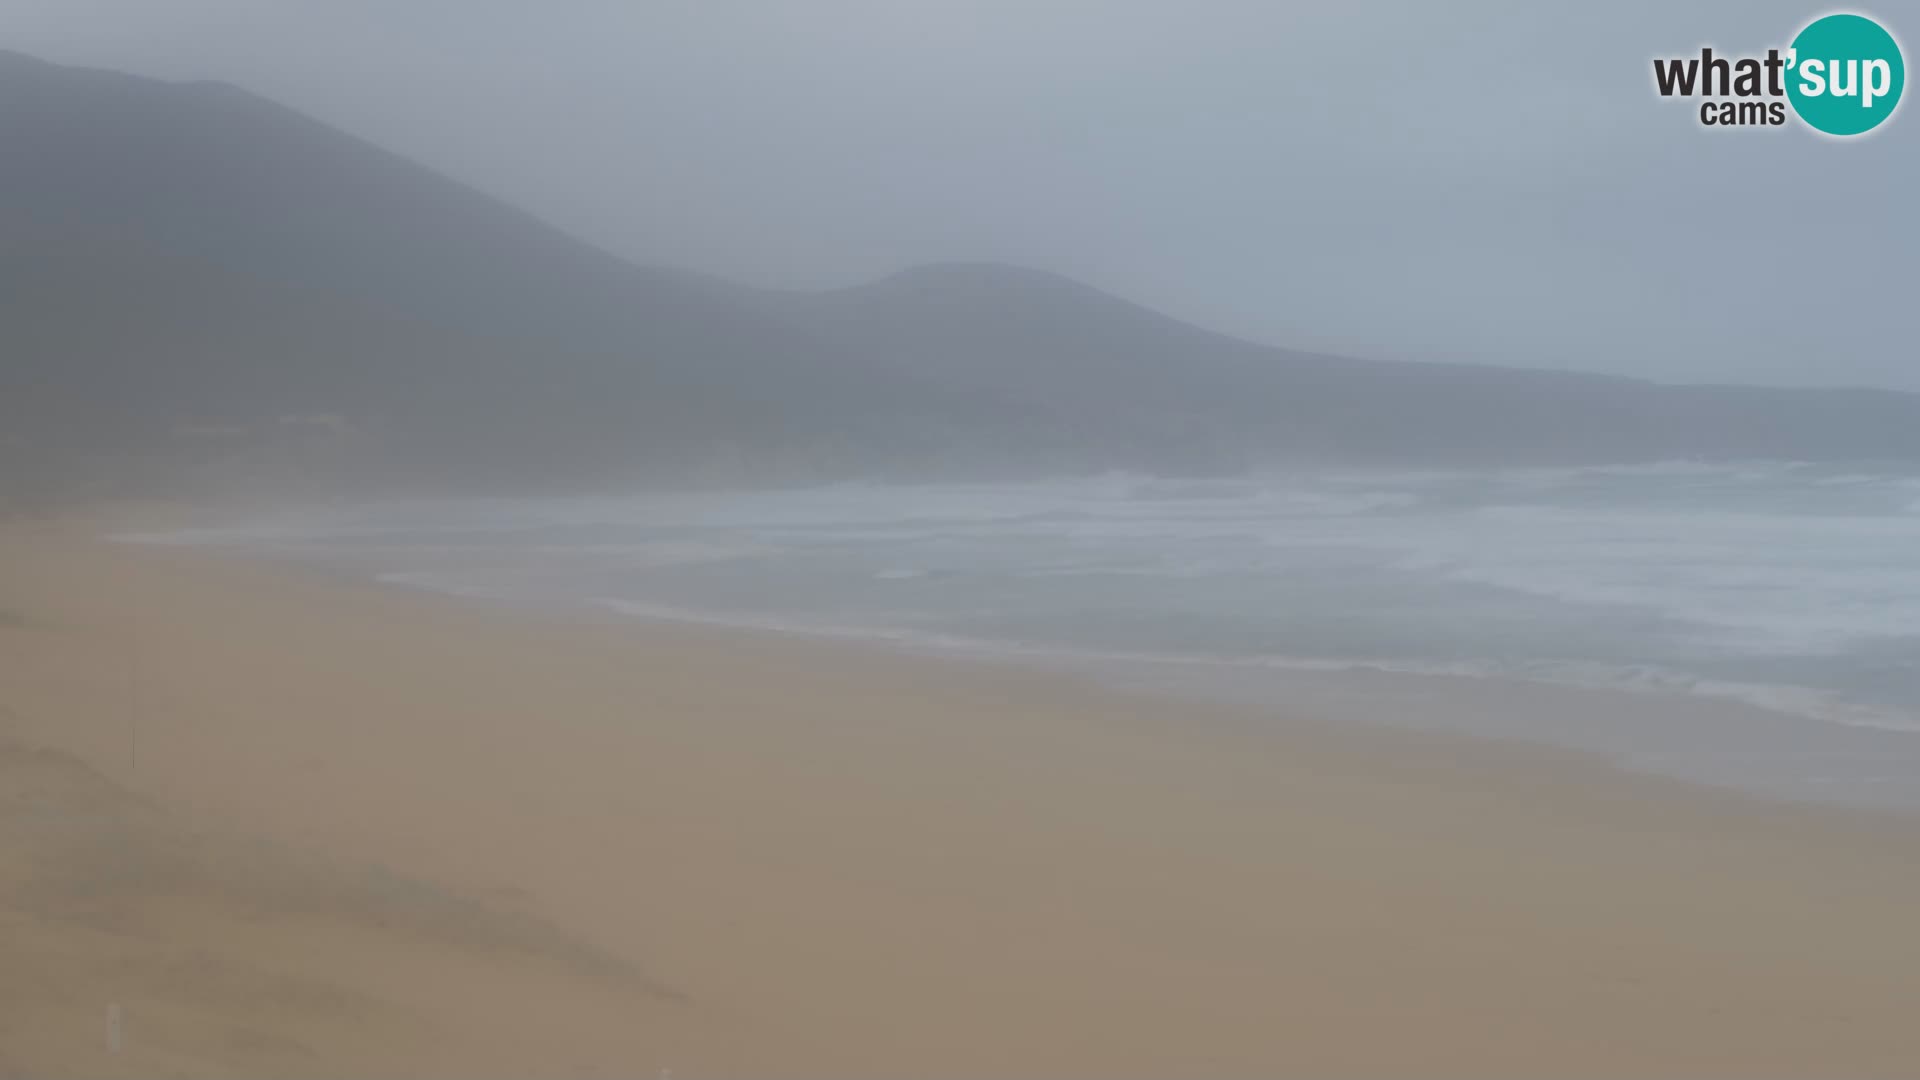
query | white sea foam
[1784, 585]
[1796, 701]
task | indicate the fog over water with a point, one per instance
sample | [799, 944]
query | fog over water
[957, 537]
[440, 248]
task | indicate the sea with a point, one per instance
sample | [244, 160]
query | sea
[1787, 593]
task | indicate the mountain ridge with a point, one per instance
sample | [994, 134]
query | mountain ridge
[189, 257]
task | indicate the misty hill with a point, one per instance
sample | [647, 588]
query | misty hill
[192, 277]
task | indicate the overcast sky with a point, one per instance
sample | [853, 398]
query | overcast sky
[1403, 179]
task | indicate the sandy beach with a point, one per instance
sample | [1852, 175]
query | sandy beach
[280, 824]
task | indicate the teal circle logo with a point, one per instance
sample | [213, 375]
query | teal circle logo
[1845, 74]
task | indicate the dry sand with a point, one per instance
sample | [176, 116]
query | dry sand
[294, 826]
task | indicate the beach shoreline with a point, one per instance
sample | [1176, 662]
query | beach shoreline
[379, 831]
[1364, 608]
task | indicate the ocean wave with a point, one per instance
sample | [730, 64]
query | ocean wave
[1641, 679]
[1722, 568]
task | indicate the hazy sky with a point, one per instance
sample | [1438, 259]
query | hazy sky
[1414, 179]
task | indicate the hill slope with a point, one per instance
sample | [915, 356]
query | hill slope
[193, 276]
